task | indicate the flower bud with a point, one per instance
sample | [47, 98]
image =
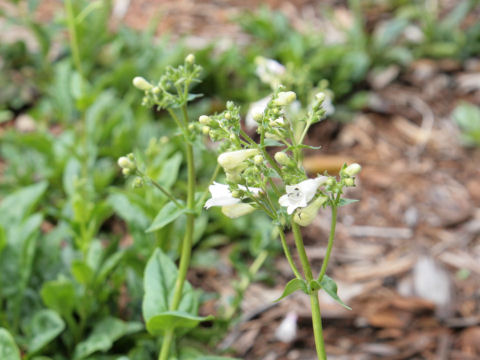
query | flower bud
[126, 171]
[228, 116]
[349, 182]
[306, 215]
[164, 139]
[236, 210]
[138, 183]
[190, 59]
[352, 170]
[204, 120]
[191, 127]
[205, 130]
[285, 98]
[142, 84]
[320, 96]
[278, 122]
[233, 159]
[258, 159]
[282, 158]
[232, 137]
[125, 163]
[258, 116]
[156, 90]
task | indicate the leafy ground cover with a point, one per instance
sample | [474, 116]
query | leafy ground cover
[73, 251]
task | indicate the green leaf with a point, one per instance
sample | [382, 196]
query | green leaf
[170, 168]
[344, 201]
[169, 213]
[292, 286]
[82, 272]
[172, 320]
[104, 334]
[45, 326]
[330, 287]
[8, 348]
[18, 205]
[59, 295]
[159, 283]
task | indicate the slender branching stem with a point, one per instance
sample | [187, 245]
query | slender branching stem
[333, 223]
[161, 188]
[288, 254]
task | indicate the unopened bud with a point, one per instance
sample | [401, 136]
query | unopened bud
[236, 193]
[205, 130]
[138, 182]
[282, 158]
[233, 159]
[156, 90]
[306, 215]
[228, 116]
[320, 96]
[191, 127]
[285, 98]
[142, 84]
[125, 163]
[353, 169]
[258, 116]
[258, 159]
[126, 171]
[204, 119]
[190, 59]
[349, 182]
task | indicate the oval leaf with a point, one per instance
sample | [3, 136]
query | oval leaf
[8, 348]
[172, 320]
[330, 287]
[169, 213]
[292, 286]
[45, 326]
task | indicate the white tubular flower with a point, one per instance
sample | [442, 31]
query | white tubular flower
[287, 330]
[305, 216]
[221, 196]
[233, 160]
[285, 98]
[231, 206]
[299, 195]
[269, 71]
[256, 108]
[236, 210]
[142, 84]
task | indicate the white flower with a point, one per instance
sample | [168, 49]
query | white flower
[257, 107]
[285, 98]
[231, 206]
[269, 71]
[299, 195]
[233, 160]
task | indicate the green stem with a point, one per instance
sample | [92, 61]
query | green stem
[161, 188]
[301, 252]
[210, 182]
[317, 326]
[73, 36]
[288, 254]
[316, 317]
[333, 223]
[187, 240]
[167, 343]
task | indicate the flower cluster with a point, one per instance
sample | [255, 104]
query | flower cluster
[254, 178]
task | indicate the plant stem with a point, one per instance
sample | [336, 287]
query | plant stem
[317, 326]
[161, 188]
[167, 342]
[187, 240]
[288, 254]
[333, 223]
[73, 36]
[316, 317]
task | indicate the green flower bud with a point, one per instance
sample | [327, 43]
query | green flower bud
[142, 84]
[320, 96]
[305, 216]
[236, 210]
[258, 116]
[205, 130]
[125, 163]
[191, 127]
[349, 182]
[138, 183]
[352, 170]
[190, 59]
[228, 116]
[237, 194]
[282, 158]
[232, 137]
[126, 171]
[258, 159]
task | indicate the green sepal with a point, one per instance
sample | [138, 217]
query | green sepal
[344, 201]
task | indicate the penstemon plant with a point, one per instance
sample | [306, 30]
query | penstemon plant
[279, 185]
[255, 180]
